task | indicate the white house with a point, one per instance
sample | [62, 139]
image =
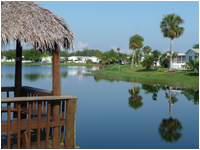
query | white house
[83, 59]
[178, 61]
[190, 55]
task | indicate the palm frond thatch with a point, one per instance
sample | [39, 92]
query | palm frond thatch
[35, 25]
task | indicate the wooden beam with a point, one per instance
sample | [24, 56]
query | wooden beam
[70, 124]
[56, 92]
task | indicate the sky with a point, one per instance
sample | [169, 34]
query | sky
[110, 24]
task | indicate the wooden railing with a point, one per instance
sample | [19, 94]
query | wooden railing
[37, 105]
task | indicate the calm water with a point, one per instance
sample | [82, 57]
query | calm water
[118, 114]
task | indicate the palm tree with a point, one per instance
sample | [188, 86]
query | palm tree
[118, 49]
[156, 55]
[174, 55]
[135, 42]
[147, 50]
[196, 46]
[135, 101]
[170, 28]
[170, 128]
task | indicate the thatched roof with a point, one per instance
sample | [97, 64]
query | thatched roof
[33, 24]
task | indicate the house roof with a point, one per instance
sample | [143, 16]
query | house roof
[195, 50]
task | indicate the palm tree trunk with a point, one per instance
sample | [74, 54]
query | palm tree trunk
[170, 63]
[170, 103]
[156, 65]
[135, 59]
[132, 59]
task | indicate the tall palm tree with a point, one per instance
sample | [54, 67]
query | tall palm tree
[118, 49]
[170, 28]
[156, 55]
[170, 129]
[147, 50]
[135, 42]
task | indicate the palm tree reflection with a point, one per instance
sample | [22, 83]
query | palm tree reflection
[170, 128]
[135, 99]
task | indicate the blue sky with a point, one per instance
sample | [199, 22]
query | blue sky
[109, 24]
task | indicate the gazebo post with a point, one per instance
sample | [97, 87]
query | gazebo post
[18, 69]
[18, 73]
[56, 92]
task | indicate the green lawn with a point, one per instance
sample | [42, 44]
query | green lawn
[182, 78]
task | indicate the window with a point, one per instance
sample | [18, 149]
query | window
[190, 58]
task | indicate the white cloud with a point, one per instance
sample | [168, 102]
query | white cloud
[80, 45]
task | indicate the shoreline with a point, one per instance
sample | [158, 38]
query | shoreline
[184, 78]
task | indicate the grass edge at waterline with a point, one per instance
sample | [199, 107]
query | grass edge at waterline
[140, 74]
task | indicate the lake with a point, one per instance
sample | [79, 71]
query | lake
[119, 114]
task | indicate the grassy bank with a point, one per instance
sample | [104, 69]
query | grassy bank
[182, 78]
[49, 64]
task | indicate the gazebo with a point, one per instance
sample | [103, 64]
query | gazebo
[25, 21]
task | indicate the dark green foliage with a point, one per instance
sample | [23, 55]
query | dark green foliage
[170, 26]
[163, 59]
[170, 129]
[148, 61]
[32, 54]
[196, 46]
[147, 50]
[135, 102]
[10, 54]
[135, 42]
[196, 65]
[191, 64]
[191, 95]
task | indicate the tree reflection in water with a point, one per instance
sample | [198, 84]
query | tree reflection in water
[135, 99]
[170, 128]
[151, 89]
[35, 76]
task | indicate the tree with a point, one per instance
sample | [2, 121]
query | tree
[190, 64]
[135, 42]
[196, 65]
[138, 55]
[170, 128]
[170, 28]
[10, 54]
[156, 55]
[97, 54]
[162, 59]
[118, 49]
[124, 58]
[135, 99]
[32, 54]
[148, 61]
[89, 61]
[79, 59]
[196, 46]
[174, 55]
[147, 50]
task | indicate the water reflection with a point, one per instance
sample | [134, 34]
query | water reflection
[170, 129]
[35, 76]
[135, 99]
[191, 95]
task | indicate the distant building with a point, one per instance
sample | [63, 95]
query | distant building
[83, 59]
[190, 55]
[46, 59]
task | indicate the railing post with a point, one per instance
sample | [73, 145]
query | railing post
[70, 124]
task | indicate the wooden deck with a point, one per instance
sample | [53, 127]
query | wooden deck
[33, 112]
